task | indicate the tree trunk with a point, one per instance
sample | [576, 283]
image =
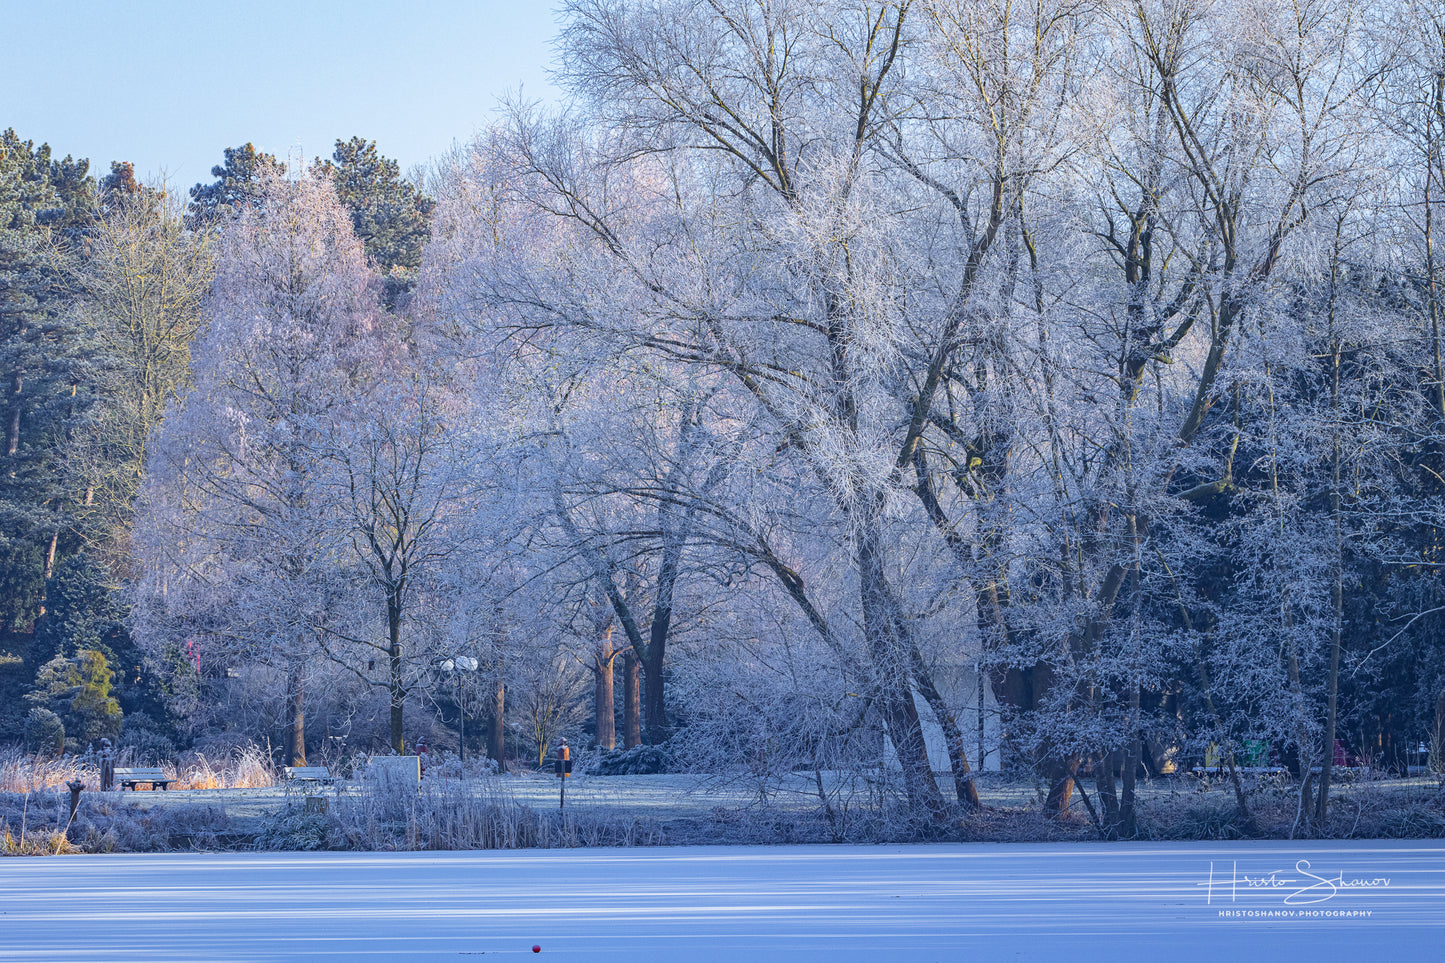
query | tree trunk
[397, 685]
[603, 660]
[1337, 590]
[1129, 777]
[49, 571]
[890, 655]
[655, 705]
[496, 733]
[654, 708]
[631, 700]
[963, 785]
[1060, 773]
[1105, 792]
[296, 721]
[17, 393]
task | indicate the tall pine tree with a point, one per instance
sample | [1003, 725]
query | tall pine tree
[236, 186]
[390, 214]
[46, 208]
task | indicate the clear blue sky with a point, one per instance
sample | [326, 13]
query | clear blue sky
[167, 85]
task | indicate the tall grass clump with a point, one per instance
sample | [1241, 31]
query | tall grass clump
[36, 824]
[245, 767]
[447, 816]
[21, 772]
[32, 825]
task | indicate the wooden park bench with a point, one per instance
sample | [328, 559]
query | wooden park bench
[308, 774]
[134, 777]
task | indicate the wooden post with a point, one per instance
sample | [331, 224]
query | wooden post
[75, 786]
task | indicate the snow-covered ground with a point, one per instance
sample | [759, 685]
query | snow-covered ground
[1273, 901]
[676, 796]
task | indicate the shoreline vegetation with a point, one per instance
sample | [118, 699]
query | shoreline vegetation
[241, 804]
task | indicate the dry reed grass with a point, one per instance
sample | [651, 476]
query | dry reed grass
[23, 773]
[247, 768]
[452, 816]
[40, 830]
[35, 824]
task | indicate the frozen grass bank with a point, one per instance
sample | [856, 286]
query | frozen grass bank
[240, 807]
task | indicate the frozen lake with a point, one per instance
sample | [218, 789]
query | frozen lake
[1269, 900]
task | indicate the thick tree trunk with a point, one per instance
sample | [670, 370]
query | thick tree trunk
[496, 733]
[296, 716]
[654, 710]
[397, 684]
[631, 700]
[891, 665]
[655, 704]
[1059, 770]
[603, 660]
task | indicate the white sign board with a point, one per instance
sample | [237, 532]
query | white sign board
[395, 772]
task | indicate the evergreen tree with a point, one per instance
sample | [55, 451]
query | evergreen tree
[119, 185]
[236, 186]
[390, 215]
[86, 611]
[44, 732]
[78, 690]
[46, 207]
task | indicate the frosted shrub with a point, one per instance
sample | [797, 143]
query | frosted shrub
[44, 732]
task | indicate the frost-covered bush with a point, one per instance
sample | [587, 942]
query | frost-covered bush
[44, 732]
[637, 761]
[39, 822]
[448, 765]
[294, 828]
[142, 744]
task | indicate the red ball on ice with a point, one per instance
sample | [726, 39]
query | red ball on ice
[536, 949]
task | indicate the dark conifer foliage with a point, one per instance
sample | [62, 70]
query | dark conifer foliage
[234, 186]
[46, 206]
[390, 215]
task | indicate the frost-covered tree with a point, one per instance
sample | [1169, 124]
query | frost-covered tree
[402, 485]
[238, 539]
[140, 283]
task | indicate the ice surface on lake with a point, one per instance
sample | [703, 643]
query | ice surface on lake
[1270, 900]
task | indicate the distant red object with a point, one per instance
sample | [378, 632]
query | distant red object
[536, 949]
